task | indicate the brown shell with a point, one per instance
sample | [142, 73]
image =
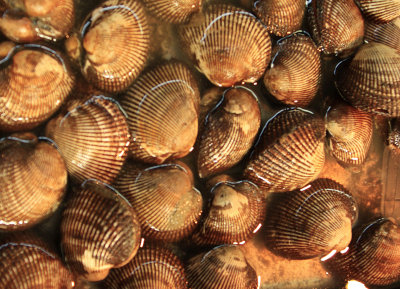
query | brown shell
[221, 268]
[338, 26]
[229, 132]
[373, 255]
[209, 99]
[176, 11]
[116, 43]
[289, 153]
[380, 11]
[93, 138]
[162, 107]
[393, 139]
[167, 204]
[18, 28]
[99, 231]
[370, 81]
[350, 132]
[281, 17]
[228, 44]
[295, 71]
[312, 221]
[33, 86]
[32, 181]
[386, 33]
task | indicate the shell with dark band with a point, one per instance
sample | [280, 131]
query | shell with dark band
[385, 33]
[379, 11]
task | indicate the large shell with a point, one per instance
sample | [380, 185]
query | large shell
[387, 33]
[380, 11]
[289, 153]
[17, 28]
[230, 129]
[228, 44]
[163, 107]
[175, 11]
[312, 221]
[99, 231]
[295, 71]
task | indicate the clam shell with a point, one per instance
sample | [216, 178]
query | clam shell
[177, 11]
[228, 44]
[18, 28]
[386, 33]
[289, 153]
[162, 107]
[380, 11]
[393, 139]
[312, 221]
[295, 71]
[230, 129]
[99, 231]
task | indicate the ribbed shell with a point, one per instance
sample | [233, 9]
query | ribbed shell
[167, 204]
[281, 17]
[380, 11]
[228, 44]
[312, 221]
[221, 268]
[116, 44]
[370, 81]
[93, 138]
[33, 85]
[32, 181]
[295, 71]
[289, 153]
[386, 33]
[373, 255]
[174, 11]
[99, 231]
[337, 26]
[350, 132]
[152, 267]
[229, 132]
[162, 107]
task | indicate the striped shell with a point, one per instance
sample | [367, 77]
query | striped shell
[289, 153]
[380, 11]
[33, 85]
[93, 138]
[386, 33]
[229, 132]
[33, 179]
[228, 44]
[295, 71]
[99, 231]
[310, 222]
[175, 11]
[162, 107]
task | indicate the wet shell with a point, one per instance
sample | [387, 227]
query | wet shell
[18, 28]
[32, 181]
[370, 81]
[228, 44]
[380, 11]
[175, 11]
[295, 71]
[93, 138]
[167, 204]
[33, 86]
[230, 129]
[222, 267]
[289, 153]
[393, 139]
[311, 222]
[387, 33]
[162, 107]
[99, 231]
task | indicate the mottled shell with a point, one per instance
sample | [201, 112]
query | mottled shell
[93, 138]
[33, 85]
[229, 132]
[162, 107]
[386, 33]
[115, 42]
[32, 181]
[310, 222]
[337, 26]
[393, 139]
[281, 17]
[373, 255]
[295, 71]
[222, 267]
[99, 231]
[380, 11]
[167, 204]
[289, 153]
[174, 11]
[370, 81]
[228, 44]
[18, 28]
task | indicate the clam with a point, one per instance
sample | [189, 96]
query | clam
[18, 28]
[162, 107]
[385, 33]
[176, 11]
[380, 11]
[393, 139]
[227, 44]
[99, 231]
[209, 99]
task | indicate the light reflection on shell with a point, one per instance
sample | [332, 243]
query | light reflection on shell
[175, 11]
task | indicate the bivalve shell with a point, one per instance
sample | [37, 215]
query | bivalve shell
[176, 11]
[380, 11]
[385, 33]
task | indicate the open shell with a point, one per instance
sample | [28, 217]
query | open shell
[177, 11]
[380, 11]
[385, 33]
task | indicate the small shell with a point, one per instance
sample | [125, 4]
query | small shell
[99, 231]
[380, 11]
[230, 129]
[387, 33]
[176, 11]
[18, 28]
[228, 44]
[393, 139]
[312, 221]
[163, 107]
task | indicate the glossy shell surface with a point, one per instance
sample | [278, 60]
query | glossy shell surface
[385, 33]
[380, 11]
[175, 11]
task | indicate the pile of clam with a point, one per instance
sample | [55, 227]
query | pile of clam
[155, 167]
